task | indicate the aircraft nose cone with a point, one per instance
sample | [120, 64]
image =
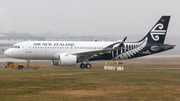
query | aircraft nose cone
[7, 53]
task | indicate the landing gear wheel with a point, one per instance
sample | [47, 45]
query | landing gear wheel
[88, 66]
[82, 66]
[20, 67]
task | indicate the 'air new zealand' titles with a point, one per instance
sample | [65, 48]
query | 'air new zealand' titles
[68, 53]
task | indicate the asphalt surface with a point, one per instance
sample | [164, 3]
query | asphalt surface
[101, 68]
[5, 59]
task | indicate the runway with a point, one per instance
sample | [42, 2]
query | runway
[3, 58]
[96, 68]
[156, 61]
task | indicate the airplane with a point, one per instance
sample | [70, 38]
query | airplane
[68, 53]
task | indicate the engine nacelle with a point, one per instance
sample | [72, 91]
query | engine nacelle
[65, 60]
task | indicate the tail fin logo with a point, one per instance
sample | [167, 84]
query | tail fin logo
[155, 33]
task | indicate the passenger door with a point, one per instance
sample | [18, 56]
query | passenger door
[28, 47]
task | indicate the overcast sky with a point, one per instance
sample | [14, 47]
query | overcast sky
[88, 17]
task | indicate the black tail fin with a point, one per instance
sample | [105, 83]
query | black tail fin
[158, 33]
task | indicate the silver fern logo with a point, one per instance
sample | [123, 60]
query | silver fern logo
[135, 48]
[155, 33]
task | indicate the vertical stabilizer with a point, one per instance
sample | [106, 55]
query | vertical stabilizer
[158, 33]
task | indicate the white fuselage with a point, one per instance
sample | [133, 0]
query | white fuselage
[48, 50]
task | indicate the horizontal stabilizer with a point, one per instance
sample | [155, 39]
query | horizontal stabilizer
[156, 48]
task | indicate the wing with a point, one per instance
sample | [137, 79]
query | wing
[86, 55]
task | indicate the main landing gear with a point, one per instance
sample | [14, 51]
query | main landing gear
[82, 66]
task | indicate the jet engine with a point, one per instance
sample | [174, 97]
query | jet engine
[65, 60]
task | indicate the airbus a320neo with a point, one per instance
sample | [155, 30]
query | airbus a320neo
[68, 53]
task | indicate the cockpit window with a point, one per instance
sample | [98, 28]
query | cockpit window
[17, 47]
